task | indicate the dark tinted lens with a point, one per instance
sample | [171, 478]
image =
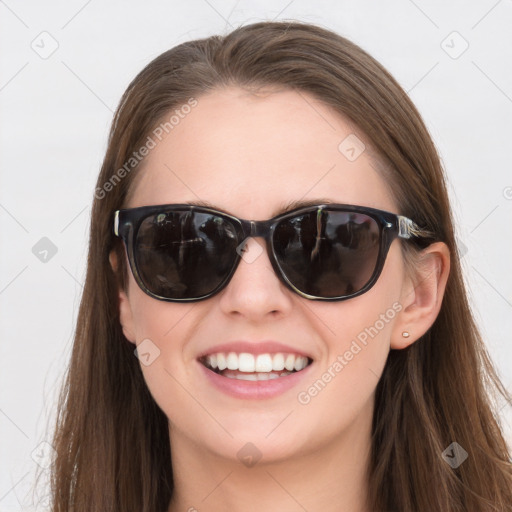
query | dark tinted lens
[184, 254]
[329, 254]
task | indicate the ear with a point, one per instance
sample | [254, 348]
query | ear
[422, 295]
[125, 310]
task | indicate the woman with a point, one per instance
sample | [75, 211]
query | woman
[271, 237]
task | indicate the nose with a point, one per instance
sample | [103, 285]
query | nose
[255, 292]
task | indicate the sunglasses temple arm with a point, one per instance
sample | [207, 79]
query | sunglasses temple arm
[409, 229]
[116, 223]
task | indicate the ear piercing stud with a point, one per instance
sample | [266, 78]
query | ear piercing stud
[405, 334]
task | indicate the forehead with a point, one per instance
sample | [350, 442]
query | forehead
[250, 154]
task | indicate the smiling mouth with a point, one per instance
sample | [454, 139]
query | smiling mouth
[245, 366]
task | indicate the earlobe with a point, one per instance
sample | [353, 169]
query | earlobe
[125, 311]
[422, 296]
[126, 317]
[112, 258]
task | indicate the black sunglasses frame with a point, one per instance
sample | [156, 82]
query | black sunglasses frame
[127, 222]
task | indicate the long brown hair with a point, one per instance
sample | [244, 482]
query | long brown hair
[111, 438]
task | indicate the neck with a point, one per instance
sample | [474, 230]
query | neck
[332, 477]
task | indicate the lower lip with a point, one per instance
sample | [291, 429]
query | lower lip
[258, 389]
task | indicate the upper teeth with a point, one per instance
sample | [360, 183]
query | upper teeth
[246, 362]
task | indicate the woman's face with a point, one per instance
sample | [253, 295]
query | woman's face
[251, 155]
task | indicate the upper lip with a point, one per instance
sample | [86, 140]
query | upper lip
[255, 348]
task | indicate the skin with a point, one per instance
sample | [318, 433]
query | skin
[250, 154]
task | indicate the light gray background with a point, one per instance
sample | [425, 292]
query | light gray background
[56, 113]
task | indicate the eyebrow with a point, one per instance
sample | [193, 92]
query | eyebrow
[285, 207]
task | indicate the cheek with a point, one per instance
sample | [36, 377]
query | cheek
[370, 315]
[357, 351]
[151, 317]
[154, 319]
[160, 328]
[161, 331]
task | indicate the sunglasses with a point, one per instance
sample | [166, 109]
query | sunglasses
[332, 252]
